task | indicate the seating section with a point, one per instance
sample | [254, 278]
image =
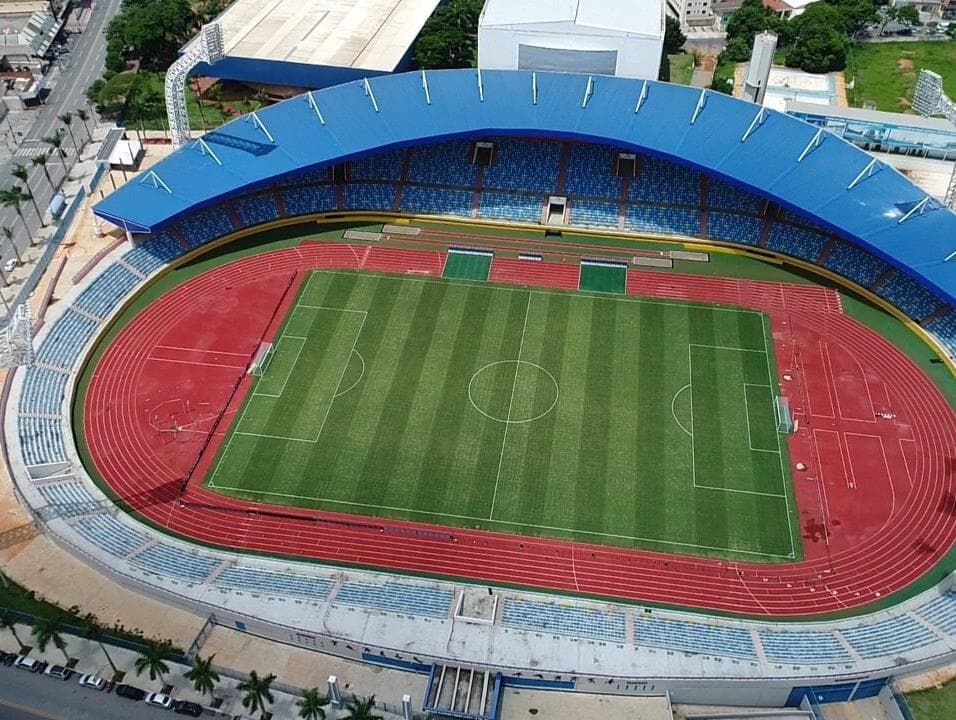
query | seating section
[803, 647]
[590, 172]
[564, 619]
[799, 242]
[664, 182]
[43, 391]
[309, 199]
[669, 221]
[855, 264]
[524, 165]
[268, 582]
[397, 598]
[257, 209]
[369, 196]
[106, 291]
[436, 201]
[308, 177]
[693, 637]
[725, 196]
[69, 498]
[66, 339]
[447, 163]
[909, 296]
[594, 212]
[108, 533]
[154, 253]
[387, 166]
[944, 327]
[520, 208]
[743, 229]
[896, 635]
[207, 225]
[41, 440]
[165, 559]
[941, 612]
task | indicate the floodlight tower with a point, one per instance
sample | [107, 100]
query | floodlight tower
[207, 49]
[930, 99]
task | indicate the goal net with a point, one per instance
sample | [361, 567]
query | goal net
[261, 361]
[781, 410]
[16, 340]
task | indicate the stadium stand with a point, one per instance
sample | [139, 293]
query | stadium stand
[307, 177]
[693, 637]
[267, 582]
[530, 165]
[669, 221]
[590, 172]
[257, 209]
[165, 559]
[888, 637]
[799, 242]
[906, 294]
[594, 212]
[551, 617]
[369, 196]
[206, 225]
[445, 163]
[108, 533]
[806, 647]
[664, 182]
[105, 292]
[726, 196]
[520, 208]
[941, 612]
[397, 598]
[67, 496]
[66, 339]
[855, 264]
[308, 199]
[383, 166]
[43, 391]
[154, 253]
[436, 201]
[944, 328]
[744, 229]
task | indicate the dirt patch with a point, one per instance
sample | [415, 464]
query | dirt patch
[708, 62]
[905, 65]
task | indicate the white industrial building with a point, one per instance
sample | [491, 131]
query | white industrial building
[604, 37]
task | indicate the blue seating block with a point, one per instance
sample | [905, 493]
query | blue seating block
[165, 559]
[309, 199]
[530, 165]
[570, 620]
[62, 345]
[594, 213]
[590, 172]
[665, 182]
[43, 391]
[268, 582]
[369, 196]
[207, 225]
[257, 209]
[888, 637]
[706, 638]
[154, 253]
[944, 328]
[727, 196]
[669, 221]
[447, 163]
[805, 647]
[941, 612]
[909, 296]
[68, 498]
[105, 292]
[855, 264]
[743, 229]
[108, 533]
[436, 201]
[520, 208]
[397, 598]
[41, 440]
[386, 166]
[797, 241]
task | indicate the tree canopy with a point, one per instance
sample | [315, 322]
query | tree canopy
[674, 39]
[818, 45]
[449, 38]
[150, 30]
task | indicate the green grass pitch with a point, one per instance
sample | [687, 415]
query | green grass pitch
[591, 417]
[603, 278]
[467, 265]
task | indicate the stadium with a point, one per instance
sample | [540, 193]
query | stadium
[587, 382]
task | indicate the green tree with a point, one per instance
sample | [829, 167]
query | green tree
[256, 691]
[21, 173]
[55, 141]
[361, 709]
[67, 119]
[8, 234]
[852, 15]
[449, 38]
[674, 39]
[310, 705]
[818, 45]
[47, 630]
[202, 675]
[14, 198]
[41, 160]
[152, 659]
[752, 18]
[7, 621]
[84, 117]
[94, 632]
[154, 30]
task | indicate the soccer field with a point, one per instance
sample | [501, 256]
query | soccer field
[594, 417]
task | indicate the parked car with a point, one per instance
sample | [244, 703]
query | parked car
[160, 700]
[25, 662]
[92, 681]
[130, 691]
[59, 672]
[184, 707]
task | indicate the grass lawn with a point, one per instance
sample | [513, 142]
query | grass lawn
[573, 415]
[885, 73]
[682, 68]
[934, 704]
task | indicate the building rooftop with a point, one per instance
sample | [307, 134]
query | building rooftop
[362, 34]
[633, 18]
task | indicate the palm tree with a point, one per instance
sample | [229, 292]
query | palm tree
[152, 658]
[361, 709]
[47, 630]
[55, 141]
[67, 119]
[310, 705]
[8, 622]
[42, 159]
[8, 234]
[203, 675]
[256, 691]
[84, 117]
[21, 173]
[92, 630]
[14, 197]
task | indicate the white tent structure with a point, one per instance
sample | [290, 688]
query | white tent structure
[601, 37]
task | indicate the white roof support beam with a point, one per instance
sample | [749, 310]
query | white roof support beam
[871, 167]
[254, 117]
[755, 123]
[206, 150]
[534, 88]
[315, 106]
[814, 143]
[428, 95]
[641, 98]
[701, 103]
[367, 87]
[918, 209]
[588, 91]
[151, 178]
[481, 88]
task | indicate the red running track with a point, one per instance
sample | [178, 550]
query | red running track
[877, 506]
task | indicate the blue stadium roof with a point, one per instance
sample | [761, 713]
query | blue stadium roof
[787, 160]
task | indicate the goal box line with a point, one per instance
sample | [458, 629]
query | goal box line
[260, 362]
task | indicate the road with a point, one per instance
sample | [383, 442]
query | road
[84, 64]
[29, 696]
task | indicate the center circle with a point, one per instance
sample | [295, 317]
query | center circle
[513, 391]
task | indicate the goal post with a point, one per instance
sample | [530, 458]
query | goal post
[260, 362]
[783, 416]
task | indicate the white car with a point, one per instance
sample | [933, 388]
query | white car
[59, 672]
[92, 681]
[160, 700]
[25, 662]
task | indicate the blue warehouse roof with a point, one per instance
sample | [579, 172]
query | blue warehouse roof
[793, 163]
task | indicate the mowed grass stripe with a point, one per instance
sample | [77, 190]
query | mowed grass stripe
[608, 463]
[467, 266]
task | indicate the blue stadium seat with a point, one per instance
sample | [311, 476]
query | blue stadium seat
[165, 559]
[106, 291]
[386, 166]
[706, 638]
[530, 165]
[888, 637]
[108, 533]
[62, 345]
[41, 440]
[446, 163]
[436, 201]
[909, 296]
[207, 225]
[520, 208]
[726, 196]
[797, 241]
[551, 617]
[664, 182]
[369, 196]
[308, 177]
[670, 221]
[268, 582]
[857, 265]
[257, 209]
[806, 647]
[309, 199]
[743, 229]
[68, 498]
[43, 391]
[941, 612]
[590, 172]
[944, 328]
[154, 253]
[397, 598]
[594, 213]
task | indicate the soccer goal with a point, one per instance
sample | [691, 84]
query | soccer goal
[262, 359]
[781, 410]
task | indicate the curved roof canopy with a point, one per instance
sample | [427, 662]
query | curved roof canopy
[795, 164]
